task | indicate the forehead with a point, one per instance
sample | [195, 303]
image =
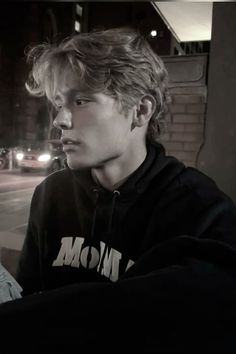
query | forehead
[65, 80]
[66, 84]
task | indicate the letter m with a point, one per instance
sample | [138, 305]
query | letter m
[69, 253]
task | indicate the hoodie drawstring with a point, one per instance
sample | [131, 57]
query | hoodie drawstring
[116, 194]
[89, 256]
[96, 191]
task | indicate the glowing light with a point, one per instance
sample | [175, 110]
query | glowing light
[77, 26]
[44, 157]
[19, 156]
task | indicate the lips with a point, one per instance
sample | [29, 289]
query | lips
[68, 141]
[69, 145]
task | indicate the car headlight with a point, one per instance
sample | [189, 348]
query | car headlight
[19, 156]
[44, 157]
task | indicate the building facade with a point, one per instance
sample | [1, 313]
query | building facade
[23, 24]
[25, 118]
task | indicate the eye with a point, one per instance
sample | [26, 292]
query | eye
[80, 102]
[58, 107]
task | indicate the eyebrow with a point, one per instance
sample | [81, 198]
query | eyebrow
[72, 93]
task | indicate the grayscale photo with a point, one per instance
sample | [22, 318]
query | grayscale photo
[117, 176]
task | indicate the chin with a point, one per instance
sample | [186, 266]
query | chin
[77, 165]
[81, 164]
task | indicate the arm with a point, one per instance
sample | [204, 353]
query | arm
[180, 295]
[29, 268]
[189, 303]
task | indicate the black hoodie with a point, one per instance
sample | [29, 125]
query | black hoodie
[161, 247]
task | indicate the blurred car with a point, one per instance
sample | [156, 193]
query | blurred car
[47, 156]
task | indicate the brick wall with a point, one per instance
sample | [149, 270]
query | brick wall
[185, 121]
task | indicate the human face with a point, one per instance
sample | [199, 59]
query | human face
[94, 130]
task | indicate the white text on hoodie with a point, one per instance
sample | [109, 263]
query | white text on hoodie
[72, 254]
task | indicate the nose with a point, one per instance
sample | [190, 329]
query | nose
[63, 119]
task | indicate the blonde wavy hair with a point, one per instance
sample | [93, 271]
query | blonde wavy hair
[118, 62]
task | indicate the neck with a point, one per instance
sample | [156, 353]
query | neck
[114, 173]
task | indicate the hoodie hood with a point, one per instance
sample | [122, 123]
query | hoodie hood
[156, 169]
[110, 208]
[156, 164]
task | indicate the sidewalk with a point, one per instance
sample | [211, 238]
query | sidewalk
[10, 171]
[11, 245]
[11, 241]
[14, 184]
[14, 180]
[9, 259]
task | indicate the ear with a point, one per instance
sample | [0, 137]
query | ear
[143, 111]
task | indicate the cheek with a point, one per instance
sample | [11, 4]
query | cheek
[123, 128]
[104, 128]
[118, 139]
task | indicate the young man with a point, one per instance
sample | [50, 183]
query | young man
[124, 231]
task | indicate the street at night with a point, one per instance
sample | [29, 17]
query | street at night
[16, 190]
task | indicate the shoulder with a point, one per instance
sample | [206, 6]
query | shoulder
[193, 178]
[202, 187]
[61, 184]
[54, 184]
[55, 179]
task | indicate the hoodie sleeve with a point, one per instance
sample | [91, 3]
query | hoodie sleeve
[207, 212]
[182, 307]
[179, 296]
[28, 270]
[175, 298]
[216, 219]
